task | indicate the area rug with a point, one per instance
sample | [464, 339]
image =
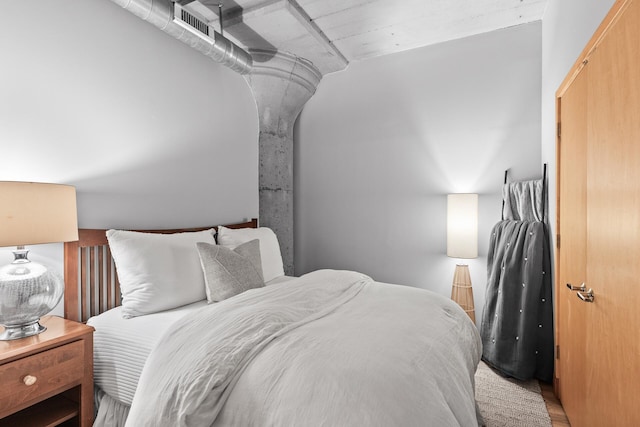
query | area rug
[506, 402]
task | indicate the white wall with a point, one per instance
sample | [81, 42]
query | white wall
[380, 145]
[567, 27]
[151, 133]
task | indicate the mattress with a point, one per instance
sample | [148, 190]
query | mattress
[121, 346]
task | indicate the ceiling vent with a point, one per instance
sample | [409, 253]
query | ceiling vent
[193, 23]
[189, 23]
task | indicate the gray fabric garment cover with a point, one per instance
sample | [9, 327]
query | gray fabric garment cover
[517, 321]
[523, 200]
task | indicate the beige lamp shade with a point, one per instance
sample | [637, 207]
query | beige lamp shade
[462, 225]
[33, 213]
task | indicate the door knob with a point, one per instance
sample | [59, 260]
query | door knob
[586, 296]
[577, 288]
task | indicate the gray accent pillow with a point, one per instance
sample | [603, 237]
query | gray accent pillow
[229, 272]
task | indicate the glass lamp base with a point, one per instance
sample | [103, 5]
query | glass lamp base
[28, 291]
[21, 331]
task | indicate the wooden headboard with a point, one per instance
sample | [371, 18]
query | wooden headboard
[91, 282]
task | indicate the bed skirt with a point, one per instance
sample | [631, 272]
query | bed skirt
[109, 412]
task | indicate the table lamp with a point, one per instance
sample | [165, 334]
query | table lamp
[462, 242]
[32, 213]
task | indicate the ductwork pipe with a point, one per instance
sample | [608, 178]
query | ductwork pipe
[160, 14]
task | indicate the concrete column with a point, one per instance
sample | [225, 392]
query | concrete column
[281, 83]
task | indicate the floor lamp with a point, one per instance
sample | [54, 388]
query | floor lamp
[462, 243]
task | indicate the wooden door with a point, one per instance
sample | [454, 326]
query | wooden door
[613, 223]
[572, 252]
[602, 387]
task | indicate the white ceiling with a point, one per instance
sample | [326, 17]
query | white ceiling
[333, 33]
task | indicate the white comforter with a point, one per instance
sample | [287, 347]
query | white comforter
[328, 349]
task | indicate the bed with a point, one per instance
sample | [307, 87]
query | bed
[330, 348]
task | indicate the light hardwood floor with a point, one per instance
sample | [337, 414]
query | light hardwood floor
[556, 413]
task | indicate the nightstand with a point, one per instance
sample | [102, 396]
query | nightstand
[47, 379]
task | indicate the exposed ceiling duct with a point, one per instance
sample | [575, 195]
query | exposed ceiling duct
[189, 29]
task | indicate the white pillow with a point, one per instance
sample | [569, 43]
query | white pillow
[158, 272]
[269, 248]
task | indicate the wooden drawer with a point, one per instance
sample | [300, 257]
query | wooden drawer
[54, 370]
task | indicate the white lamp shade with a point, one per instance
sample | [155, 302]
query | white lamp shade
[462, 225]
[33, 213]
